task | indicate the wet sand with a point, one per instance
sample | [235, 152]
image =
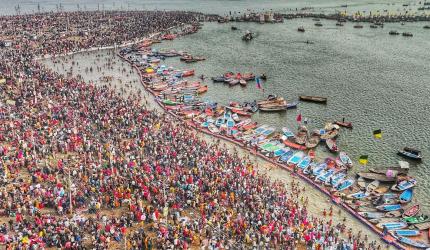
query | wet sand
[125, 79]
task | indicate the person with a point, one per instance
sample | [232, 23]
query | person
[384, 230]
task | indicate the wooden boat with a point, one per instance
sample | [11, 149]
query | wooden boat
[301, 29]
[403, 185]
[412, 211]
[331, 144]
[421, 226]
[344, 124]
[383, 220]
[392, 225]
[292, 105]
[212, 128]
[372, 186]
[361, 183]
[394, 214]
[270, 100]
[410, 153]
[233, 28]
[294, 145]
[406, 196]
[218, 79]
[242, 82]
[317, 99]
[398, 171]
[358, 26]
[414, 243]
[380, 190]
[407, 34]
[406, 232]
[186, 73]
[371, 215]
[313, 142]
[394, 32]
[339, 24]
[202, 89]
[296, 158]
[318, 24]
[273, 108]
[378, 177]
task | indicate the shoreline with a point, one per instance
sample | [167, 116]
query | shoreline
[247, 151]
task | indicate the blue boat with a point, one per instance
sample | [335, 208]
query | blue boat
[392, 225]
[325, 175]
[292, 105]
[297, 157]
[281, 152]
[388, 208]
[336, 179]
[317, 170]
[268, 131]
[406, 232]
[403, 185]
[227, 115]
[220, 121]
[230, 123]
[359, 195]
[285, 157]
[406, 196]
[204, 124]
[345, 184]
[287, 132]
[260, 129]
[305, 162]
[415, 243]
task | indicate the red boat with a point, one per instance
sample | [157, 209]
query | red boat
[240, 112]
[412, 211]
[344, 124]
[294, 145]
[249, 126]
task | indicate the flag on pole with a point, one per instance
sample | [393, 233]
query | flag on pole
[257, 80]
[363, 159]
[377, 134]
[299, 118]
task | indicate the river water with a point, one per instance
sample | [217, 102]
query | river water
[370, 78]
[375, 80]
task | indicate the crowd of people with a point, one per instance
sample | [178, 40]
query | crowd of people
[85, 167]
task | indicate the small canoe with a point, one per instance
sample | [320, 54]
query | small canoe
[344, 124]
[212, 128]
[406, 232]
[317, 99]
[230, 123]
[410, 153]
[318, 169]
[304, 163]
[281, 151]
[372, 215]
[372, 186]
[220, 121]
[285, 157]
[336, 179]
[287, 132]
[169, 102]
[297, 157]
[406, 196]
[388, 208]
[392, 225]
[414, 243]
[294, 145]
[331, 144]
[242, 82]
[325, 175]
[394, 214]
[383, 220]
[361, 183]
[292, 105]
[374, 176]
[416, 219]
[345, 184]
[260, 129]
[202, 89]
[359, 195]
[218, 79]
[412, 211]
[422, 226]
[403, 185]
[344, 158]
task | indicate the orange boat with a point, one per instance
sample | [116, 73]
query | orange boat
[188, 73]
[249, 126]
[294, 145]
[202, 89]
[240, 112]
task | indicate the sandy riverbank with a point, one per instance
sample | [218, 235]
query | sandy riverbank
[126, 80]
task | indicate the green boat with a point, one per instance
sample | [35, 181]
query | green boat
[416, 219]
[169, 102]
